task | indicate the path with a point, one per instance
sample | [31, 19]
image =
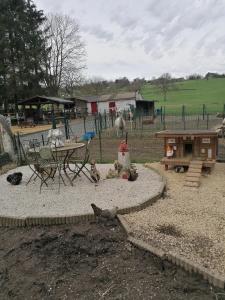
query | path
[77, 130]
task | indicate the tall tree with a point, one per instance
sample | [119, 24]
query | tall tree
[164, 83]
[65, 61]
[22, 49]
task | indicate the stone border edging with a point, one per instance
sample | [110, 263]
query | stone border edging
[213, 278]
[57, 220]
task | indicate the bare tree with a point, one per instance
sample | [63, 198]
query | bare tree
[164, 83]
[65, 50]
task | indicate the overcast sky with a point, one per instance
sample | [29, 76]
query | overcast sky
[145, 38]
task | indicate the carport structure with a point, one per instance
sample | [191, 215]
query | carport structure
[35, 112]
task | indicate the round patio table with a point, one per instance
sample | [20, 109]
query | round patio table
[65, 153]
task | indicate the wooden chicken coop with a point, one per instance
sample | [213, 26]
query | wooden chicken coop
[183, 146]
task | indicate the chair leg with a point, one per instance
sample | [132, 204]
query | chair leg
[31, 178]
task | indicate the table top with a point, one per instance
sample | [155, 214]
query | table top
[70, 146]
[66, 147]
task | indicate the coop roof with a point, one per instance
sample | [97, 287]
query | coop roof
[37, 100]
[181, 133]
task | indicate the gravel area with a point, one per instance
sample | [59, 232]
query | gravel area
[186, 221]
[24, 201]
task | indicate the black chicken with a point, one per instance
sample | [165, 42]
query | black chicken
[15, 178]
[132, 174]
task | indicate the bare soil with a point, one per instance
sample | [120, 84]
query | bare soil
[88, 261]
[142, 148]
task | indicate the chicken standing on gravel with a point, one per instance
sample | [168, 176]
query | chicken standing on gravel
[109, 214]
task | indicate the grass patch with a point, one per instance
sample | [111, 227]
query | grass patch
[191, 93]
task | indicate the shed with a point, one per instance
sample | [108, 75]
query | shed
[145, 107]
[183, 146]
[36, 113]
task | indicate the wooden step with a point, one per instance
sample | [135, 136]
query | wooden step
[195, 166]
[196, 162]
[194, 179]
[192, 184]
[192, 174]
[191, 170]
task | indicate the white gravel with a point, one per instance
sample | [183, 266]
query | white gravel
[198, 215]
[23, 201]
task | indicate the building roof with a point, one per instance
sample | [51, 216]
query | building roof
[108, 97]
[36, 100]
[85, 98]
[118, 96]
[181, 133]
[145, 100]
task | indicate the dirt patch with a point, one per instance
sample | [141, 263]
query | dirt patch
[87, 261]
[169, 230]
[4, 169]
[142, 148]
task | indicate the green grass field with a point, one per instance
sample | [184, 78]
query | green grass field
[191, 93]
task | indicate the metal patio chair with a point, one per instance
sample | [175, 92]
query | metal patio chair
[31, 159]
[80, 164]
[50, 163]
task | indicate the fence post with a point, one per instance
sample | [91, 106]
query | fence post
[53, 120]
[111, 116]
[198, 122]
[224, 110]
[207, 121]
[66, 125]
[105, 119]
[203, 111]
[42, 138]
[96, 127]
[100, 144]
[161, 114]
[183, 112]
[100, 121]
[183, 116]
[141, 126]
[19, 152]
[164, 114]
[84, 118]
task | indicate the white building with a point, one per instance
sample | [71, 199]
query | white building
[111, 102]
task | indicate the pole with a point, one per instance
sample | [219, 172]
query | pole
[42, 138]
[112, 117]
[66, 125]
[84, 118]
[100, 144]
[53, 119]
[105, 119]
[164, 122]
[96, 128]
[203, 111]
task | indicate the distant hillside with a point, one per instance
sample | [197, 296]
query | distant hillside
[191, 93]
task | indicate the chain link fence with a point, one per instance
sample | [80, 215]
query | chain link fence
[140, 129]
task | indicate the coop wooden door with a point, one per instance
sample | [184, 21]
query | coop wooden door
[210, 153]
[94, 108]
